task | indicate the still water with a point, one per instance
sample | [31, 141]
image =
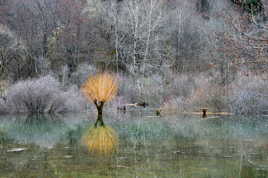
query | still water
[173, 146]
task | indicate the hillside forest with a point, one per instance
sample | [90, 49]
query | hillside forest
[169, 54]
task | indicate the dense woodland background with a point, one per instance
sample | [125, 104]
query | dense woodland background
[173, 54]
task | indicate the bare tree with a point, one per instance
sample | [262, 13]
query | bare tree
[135, 32]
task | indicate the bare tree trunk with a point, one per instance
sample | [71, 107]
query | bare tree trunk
[99, 120]
[148, 35]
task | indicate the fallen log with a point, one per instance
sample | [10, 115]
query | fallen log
[126, 106]
[161, 112]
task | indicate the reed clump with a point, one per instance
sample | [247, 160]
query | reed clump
[101, 139]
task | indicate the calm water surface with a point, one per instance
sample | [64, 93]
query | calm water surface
[173, 146]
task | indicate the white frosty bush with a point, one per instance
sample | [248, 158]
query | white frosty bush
[42, 95]
[74, 100]
[3, 107]
[81, 74]
[250, 95]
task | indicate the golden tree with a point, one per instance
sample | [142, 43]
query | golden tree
[100, 89]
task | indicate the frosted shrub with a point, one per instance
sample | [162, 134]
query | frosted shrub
[128, 89]
[174, 105]
[32, 96]
[151, 89]
[201, 91]
[74, 100]
[40, 96]
[3, 107]
[68, 101]
[143, 89]
[7, 39]
[249, 96]
[81, 74]
[182, 85]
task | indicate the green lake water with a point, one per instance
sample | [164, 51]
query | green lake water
[171, 147]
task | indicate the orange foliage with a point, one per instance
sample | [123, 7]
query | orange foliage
[101, 87]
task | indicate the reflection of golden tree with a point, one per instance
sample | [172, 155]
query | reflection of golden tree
[101, 140]
[100, 89]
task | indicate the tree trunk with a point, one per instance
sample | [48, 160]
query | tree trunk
[99, 120]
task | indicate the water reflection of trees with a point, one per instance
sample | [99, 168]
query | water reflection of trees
[43, 130]
[148, 149]
[251, 169]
